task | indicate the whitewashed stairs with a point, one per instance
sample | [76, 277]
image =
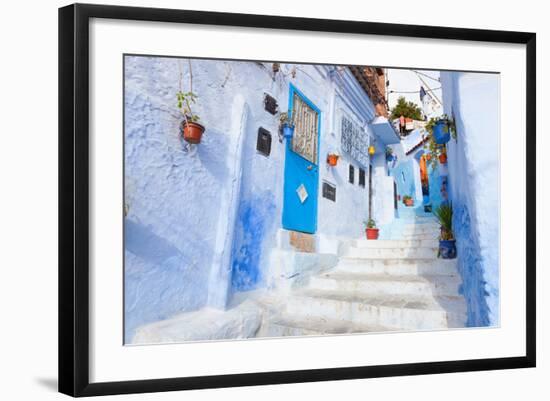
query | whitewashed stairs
[382, 285]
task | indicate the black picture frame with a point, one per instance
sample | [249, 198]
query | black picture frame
[74, 199]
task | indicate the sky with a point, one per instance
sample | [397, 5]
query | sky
[403, 80]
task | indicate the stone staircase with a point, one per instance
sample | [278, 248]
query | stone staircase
[383, 285]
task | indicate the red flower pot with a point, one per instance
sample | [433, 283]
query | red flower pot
[372, 233]
[332, 160]
[192, 131]
[409, 202]
[443, 158]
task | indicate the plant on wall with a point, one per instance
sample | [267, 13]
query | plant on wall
[441, 129]
[286, 124]
[192, 130]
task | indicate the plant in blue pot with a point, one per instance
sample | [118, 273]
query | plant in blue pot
[441, 129]
[447, 242]
[389, 154]
[287, 125]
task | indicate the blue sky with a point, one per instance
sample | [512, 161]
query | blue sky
[406, 80]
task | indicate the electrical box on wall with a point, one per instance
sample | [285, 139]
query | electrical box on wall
[263, 143]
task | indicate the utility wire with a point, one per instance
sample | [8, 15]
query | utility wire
[426, 75]
[427, 90]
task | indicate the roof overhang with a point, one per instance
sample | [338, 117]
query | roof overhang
[385, 130]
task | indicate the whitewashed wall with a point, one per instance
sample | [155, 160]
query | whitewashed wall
[186, 204]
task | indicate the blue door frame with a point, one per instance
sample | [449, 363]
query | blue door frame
[298, 215]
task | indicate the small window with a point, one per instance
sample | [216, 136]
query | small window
[263, 143]
[361, 177]
[329, 191]
[351, 174]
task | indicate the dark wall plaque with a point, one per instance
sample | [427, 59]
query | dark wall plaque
[270, 104]
[329, 191]
[263, 143]
[351, 178]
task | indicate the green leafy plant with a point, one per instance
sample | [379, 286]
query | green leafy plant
[185, 100]
[449, 125]
[433, 150]
[444, 215]
[407, 197]
[370, 223]
[284, 119]
[389, 151]
[406, 109]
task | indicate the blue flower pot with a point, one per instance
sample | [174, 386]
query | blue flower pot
[390, 158]
[440, 136]
[288, 131]
[447, 249]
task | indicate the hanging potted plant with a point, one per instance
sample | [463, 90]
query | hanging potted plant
[371, 230]
[192, 130]
[447, 242]
[287, 125]
[441, 129]
[332, 158]
[408, 200]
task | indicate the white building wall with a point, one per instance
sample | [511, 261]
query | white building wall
[186, 202]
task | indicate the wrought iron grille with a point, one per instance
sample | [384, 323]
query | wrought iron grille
[304, 141]
[355, 141]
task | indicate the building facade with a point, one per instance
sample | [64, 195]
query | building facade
[247, 208]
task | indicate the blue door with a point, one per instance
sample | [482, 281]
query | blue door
[301, 181]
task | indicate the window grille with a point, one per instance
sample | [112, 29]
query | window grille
[355, 141]
[306, 120]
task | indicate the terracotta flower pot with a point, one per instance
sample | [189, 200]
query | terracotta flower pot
[409, 202]
[372, 233]
[332, 159]
[443, 158]
[192, 131]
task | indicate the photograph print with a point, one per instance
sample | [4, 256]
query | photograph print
[267, 199]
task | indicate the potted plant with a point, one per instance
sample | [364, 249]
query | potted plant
[389, 154]
[441, 129]
[371, 230]
[447, 242]
[287, 125]
[332, 158]
[443, 158]
[408, 200]
[192, 130]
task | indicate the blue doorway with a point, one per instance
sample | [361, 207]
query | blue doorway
[301, 175]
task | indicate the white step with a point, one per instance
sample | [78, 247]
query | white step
[379, 284]
[409, 243]
[298, 325]
[398, 266]
[391, 253]
[408, 313]
[427, 236]
[421, 229]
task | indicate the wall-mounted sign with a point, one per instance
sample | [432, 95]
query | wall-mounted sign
[329, 191]
[263, 143]
[270, 104]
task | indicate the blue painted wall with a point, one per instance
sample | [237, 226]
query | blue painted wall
[404, 176]
[473, 165]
